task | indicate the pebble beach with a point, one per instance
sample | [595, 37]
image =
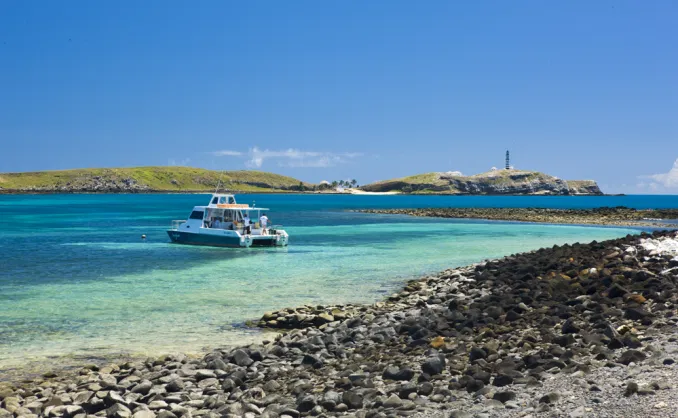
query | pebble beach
[574, 331]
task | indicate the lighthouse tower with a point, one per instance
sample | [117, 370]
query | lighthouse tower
[508, 164]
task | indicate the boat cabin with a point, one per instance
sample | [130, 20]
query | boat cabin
[224, 213]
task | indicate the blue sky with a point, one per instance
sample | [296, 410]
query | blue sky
[335, 90]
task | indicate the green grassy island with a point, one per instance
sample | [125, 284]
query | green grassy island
[147, 180]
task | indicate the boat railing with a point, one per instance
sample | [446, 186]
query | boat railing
[176, 223]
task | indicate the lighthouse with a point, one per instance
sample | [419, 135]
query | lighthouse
[508, 163]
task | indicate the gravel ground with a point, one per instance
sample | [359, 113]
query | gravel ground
[601, 393]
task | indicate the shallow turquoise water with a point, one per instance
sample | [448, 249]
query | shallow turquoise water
[77, 280]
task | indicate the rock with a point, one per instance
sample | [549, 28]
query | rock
[668, 361]
[395, 373]
[143, 413]
[640, 299]
[73, 410]
[107, 381]
[330, 400]
[5, 393]
[271, 386]
[12, 403]
[634, 356]
[35, 407]
[434, 365]
[393, 402]
[549, 398]
[494, 311]
[323, 318]
[405, 390]
[143, 387]
[503, 397]
[512, 316]
[204, 374]
[616, 291]
[205, 383]
[631, 341]
[352, 399]
[564, 340]
[166, 414]
[306, 404]
[477, 353]
[636, 314]
[425, 389]
[474, 386]
[631, 388]
[94, 405]
[113, 398]
[569, 327]
[155, 405]
[460, 414]
[483, 377]
[502, 380]
[241, 358]
[176, 385]
[228, 385]
[118, 411]
[342, 407]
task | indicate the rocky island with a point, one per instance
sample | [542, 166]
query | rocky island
[494, 182]
[620, 216]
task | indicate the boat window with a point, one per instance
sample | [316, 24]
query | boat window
[214, 201]
[231, 199]
[222, 200]
[196, 214]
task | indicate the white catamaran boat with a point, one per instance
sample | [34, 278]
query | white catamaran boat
[222, 224]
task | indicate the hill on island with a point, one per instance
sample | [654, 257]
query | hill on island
[146, 180]
[495, 182]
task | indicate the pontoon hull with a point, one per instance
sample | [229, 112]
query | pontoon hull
[180, 237]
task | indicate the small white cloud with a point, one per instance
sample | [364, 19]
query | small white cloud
[291, 157]
[669, 179]
[254, 162]
[227, 153]
[181, 163]
[314, 162]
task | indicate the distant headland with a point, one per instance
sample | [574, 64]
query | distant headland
[495, 182]
[173, 179]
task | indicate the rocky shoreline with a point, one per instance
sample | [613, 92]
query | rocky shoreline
[575, 330]
[619, 216]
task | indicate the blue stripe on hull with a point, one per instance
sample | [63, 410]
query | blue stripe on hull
[203, 239]
[215, 240]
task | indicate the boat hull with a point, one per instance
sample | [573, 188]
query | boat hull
[209, 240]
